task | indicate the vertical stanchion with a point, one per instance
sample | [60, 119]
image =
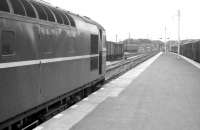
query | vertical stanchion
[165, 40]
[179, 14]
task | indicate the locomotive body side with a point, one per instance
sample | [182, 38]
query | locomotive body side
[42, 60]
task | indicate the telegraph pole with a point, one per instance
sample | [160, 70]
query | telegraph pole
[129, 37]
[165, 39]
[179, 15]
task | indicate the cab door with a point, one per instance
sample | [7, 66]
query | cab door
[100, 51]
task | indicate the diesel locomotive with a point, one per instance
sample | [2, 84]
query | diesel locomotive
[47, 55]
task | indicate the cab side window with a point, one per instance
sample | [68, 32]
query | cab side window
[94, 50]
[94, 44]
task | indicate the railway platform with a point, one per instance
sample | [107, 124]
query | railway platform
[163, 93]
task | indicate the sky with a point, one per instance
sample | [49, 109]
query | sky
[140, 18]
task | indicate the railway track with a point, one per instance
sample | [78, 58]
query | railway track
[112, 72]
[115, 70]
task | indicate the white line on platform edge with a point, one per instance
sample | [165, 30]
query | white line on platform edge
[39, 128]
[58, 116]
[74, 106]
[196, 64]
[85, 99]
[94, 93]
[70, 117]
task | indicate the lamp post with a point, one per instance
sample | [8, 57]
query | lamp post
[179, 15]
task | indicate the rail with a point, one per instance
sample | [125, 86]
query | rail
[115, 70]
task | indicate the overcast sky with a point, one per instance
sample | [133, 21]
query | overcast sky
[142, 18]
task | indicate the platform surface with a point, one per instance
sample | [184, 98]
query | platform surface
[164, 96]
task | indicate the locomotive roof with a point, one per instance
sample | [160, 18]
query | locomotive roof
[84, 18]
[39, 9]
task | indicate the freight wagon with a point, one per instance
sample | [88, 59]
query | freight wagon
[114, 51]
[189, 49]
